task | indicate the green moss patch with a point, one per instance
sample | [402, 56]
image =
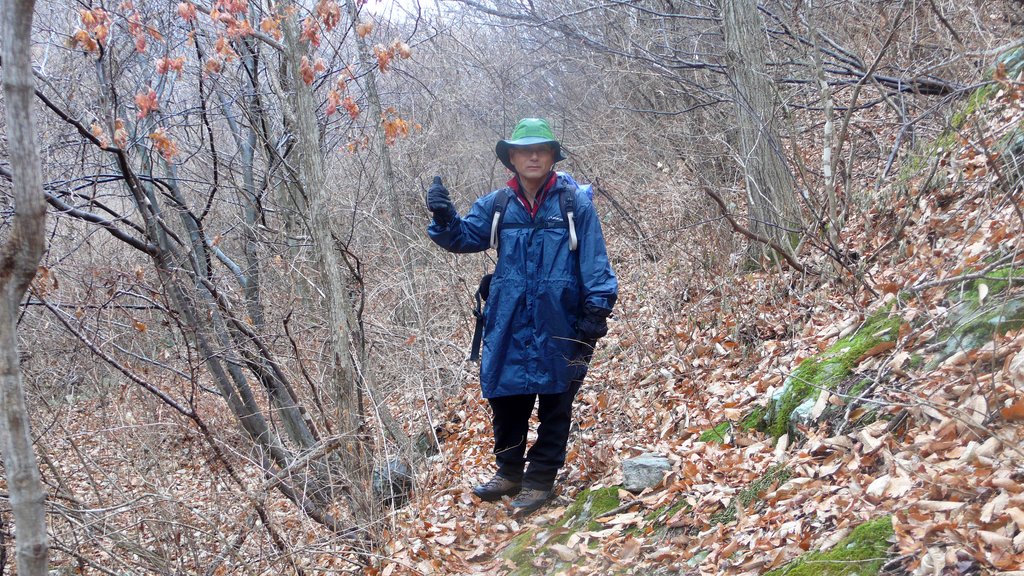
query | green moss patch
[862, 553]
[716, 434]
[825, 370]
[996, 280]
[590, 504]
[750, 495]
[975, 101]
[525, 548]
[756, 420]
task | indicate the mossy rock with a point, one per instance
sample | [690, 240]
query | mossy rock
[973, 321]
[979, 326]
[1011, 155]
[862, 553]
[823, 371]
[1013, 60]
[750, 496]
[531, 545]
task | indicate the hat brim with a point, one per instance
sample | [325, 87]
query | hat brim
[501, 149]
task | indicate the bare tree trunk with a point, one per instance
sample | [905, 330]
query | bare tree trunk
[19, 259]
[773, 208]
[302, 109]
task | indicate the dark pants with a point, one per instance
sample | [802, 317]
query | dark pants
[511, 422]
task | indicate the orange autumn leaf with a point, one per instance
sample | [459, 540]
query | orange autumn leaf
[101, 32]
[139, 326]
[306, 70]
[224, 49]
[165, 65]
[146, 102]
[212, 66]
[310, 31]
[233, 6]
[87, 17]
[97, 131]
[350, 105]
[877, 349]
[187, 11]
[120, 134]
[364, 28]
[384, 56]
[333, 101]
[82, 39]
[1014, 412]
[403, 49]
[393, 129]
[239, 29]
[271, 26]
[167, 148]
[329, 13]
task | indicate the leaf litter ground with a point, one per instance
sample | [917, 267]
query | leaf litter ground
[939, 461]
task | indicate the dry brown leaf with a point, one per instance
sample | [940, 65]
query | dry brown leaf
[1017, 515]
[878, 487]
[880, 348]
[899, 485]
[1013, 412]
[937, 505]
[995, 539]
[630, 548]
[564, 553]
[994, 507]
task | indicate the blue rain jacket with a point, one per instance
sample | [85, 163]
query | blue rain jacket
[530, 344]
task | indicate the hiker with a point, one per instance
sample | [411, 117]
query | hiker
[547, 305]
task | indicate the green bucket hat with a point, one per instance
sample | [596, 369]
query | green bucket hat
[527, 132]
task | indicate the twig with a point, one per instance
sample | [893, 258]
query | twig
[744, 231]
[983, 273]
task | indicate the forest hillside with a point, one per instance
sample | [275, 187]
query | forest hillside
[231, 348]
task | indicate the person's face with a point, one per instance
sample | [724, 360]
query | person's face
[534, 161]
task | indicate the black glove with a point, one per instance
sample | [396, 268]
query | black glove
[593, 325]
[440, 203]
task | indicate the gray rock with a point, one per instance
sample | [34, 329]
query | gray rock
[392, 483]
[644, 471]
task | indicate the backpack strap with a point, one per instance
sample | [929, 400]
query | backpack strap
[567, 203]
[500, 204]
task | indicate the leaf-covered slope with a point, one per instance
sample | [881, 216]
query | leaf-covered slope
[914, 438]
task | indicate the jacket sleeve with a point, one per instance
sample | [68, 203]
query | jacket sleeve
[600, 287]
[471, 233]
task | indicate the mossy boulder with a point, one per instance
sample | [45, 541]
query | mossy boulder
[974, 320]
[862, 553]
[825, 370]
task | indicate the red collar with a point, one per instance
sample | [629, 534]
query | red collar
[532, 209]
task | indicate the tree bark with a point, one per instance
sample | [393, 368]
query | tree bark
[19, 260]
[772, 203]
[302, 111]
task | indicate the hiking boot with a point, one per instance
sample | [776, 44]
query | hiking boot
[530, 499]
[497, 487]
